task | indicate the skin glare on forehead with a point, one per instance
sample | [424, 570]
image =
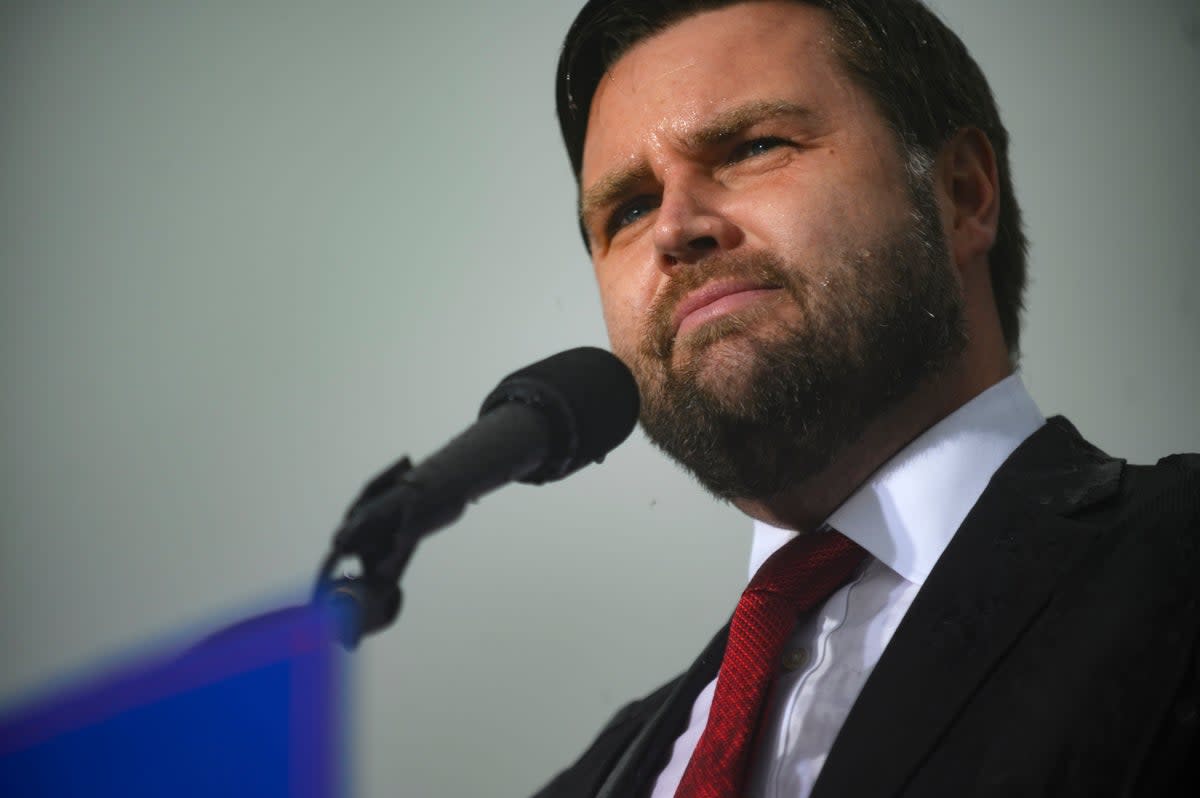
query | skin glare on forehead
[663, 69]
[649, 74]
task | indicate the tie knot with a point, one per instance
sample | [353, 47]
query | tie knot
[810, 563]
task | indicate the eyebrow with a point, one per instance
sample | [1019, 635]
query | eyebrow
[724, 126]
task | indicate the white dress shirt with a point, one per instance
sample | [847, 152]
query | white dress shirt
[904, 516]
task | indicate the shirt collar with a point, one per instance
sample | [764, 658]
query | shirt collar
[910, 508]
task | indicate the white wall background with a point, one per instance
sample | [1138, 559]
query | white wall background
[252, 251]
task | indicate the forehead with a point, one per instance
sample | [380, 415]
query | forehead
[669, 84]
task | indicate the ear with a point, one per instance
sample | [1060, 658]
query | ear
[970, 188]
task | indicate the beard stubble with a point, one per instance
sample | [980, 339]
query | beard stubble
[759, 400]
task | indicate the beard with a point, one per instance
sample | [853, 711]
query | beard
[759, 400]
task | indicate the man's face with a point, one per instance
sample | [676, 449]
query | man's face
[768, 267]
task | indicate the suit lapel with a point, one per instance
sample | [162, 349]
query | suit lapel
[647, 755]
[994, 578]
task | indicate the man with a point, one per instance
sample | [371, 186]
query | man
[809, 252]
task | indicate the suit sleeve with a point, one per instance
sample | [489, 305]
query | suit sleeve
[1173, 765]
[588, 773]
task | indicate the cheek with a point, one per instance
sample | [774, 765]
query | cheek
[820, 223]
[614, 326]
[826, 197]
[628, 288]
[804, 225]
[623, 310]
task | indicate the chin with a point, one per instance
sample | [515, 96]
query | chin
[727, 371]
[724, 358]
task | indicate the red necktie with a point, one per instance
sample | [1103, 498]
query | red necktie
[793, 580]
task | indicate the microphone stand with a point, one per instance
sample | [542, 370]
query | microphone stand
[405, 503]
[369, 601]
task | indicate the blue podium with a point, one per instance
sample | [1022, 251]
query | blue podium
[254, 710]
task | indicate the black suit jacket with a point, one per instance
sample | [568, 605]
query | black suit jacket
[1052, 650]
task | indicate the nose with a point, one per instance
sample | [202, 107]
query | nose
[691, 225]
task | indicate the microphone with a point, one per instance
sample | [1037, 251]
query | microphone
[540, 424]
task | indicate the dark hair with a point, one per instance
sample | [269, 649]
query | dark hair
[916, 69]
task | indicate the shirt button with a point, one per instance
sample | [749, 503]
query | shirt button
[795, 660]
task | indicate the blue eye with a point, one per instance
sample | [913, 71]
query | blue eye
[753, 147]
[630, 212]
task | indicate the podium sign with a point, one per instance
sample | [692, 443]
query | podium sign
[255, 710]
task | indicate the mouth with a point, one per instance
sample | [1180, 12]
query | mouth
[715, 300]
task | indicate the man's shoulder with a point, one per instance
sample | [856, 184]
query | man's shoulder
[1175, 472]
[1104, 518]
[1164, 494]
[1169, 487]
[1162, 501]
[1058, 456]
[1144, 526]
[1186, 465]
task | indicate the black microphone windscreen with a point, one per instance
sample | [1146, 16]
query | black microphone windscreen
[589, 398]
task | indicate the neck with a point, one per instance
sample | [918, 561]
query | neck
[807, 504]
